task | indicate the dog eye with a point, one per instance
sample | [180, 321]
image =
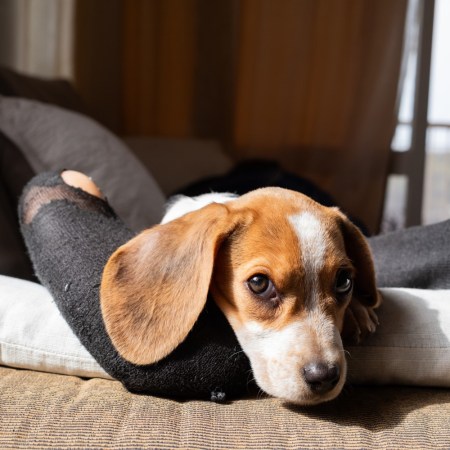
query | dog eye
[262, 286]
[344, 282]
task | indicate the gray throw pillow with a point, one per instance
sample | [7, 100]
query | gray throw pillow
[52, 138]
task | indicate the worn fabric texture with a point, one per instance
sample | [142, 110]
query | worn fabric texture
[70, 236]
[41, 410]
[417, 257]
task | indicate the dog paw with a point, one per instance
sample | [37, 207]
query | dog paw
[359, 322]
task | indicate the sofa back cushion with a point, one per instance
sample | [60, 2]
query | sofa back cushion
[14, 174]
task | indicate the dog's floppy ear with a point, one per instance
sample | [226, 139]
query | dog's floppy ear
[155, 286]
[359, 253]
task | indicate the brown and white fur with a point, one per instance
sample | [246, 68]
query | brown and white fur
[315, 264]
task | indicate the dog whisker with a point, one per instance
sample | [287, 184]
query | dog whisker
[260, 394]
[250, 378]
[236, 353]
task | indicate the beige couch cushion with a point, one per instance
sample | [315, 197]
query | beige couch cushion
[41, 410]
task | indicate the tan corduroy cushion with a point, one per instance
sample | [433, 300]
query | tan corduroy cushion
[40, 410]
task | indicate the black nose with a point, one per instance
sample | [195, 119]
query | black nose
[321, 377]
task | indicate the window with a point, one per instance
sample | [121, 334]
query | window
[436, 189]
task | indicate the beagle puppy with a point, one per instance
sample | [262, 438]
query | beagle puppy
[287, 273]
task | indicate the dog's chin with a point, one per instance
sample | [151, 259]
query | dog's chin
[313, 399]
[308, 398]
[300, 394]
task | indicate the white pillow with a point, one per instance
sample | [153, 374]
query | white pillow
[411, 346]
[52, 138]
[34, 335]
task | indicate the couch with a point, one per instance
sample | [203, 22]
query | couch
[41, 409]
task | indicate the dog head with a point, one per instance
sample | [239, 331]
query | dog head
[282, 268]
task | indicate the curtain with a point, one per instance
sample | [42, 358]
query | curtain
[317, 90]
[98, 58]
[178, 67]
[311, 84]
[36, 37]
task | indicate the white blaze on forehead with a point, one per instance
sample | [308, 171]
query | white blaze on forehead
[311, 235]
